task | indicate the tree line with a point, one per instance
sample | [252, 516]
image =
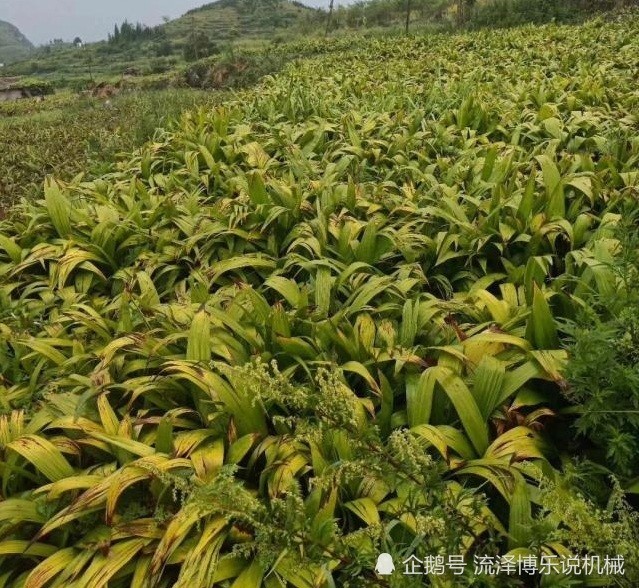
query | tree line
[462, 13]
[128, 32]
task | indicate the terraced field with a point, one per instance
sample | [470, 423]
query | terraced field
[332, 318]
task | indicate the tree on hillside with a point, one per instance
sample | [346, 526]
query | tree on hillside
[464, 9]
[135, 33]
[163, 48]
[115, 37]
[330, 17]
[198, 45]
[434, 9]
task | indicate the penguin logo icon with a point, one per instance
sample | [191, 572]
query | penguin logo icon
[385, 565]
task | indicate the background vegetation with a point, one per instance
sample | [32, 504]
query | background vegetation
[69, 134]
[230, 26]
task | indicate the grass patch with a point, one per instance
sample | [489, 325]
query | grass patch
[70, 134]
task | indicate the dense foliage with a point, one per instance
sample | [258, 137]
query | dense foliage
[68, 134]
[604, 372]
[324, 320]
[516, 12]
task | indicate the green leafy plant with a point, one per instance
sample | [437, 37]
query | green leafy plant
[326, 318]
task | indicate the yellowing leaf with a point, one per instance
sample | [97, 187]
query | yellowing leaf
[541, 329]
[199, 341]
[365, 509]
[45, 456]
[256, 156]
[59, 208]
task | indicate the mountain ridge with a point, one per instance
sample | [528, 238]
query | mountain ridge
[226, 19]
[14, 45]
[211, 29]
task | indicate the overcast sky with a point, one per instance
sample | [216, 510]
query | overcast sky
[92, 20]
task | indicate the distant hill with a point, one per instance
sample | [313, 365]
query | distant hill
[140, 50]
[13, 44]
[228, 19]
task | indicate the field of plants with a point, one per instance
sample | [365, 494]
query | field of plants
[385, 301]
[68, 134]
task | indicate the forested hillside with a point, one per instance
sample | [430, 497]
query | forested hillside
[13, 44]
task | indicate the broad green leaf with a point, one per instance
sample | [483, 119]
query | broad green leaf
[20, 510]
[467, 409]
[541, 330]
[44, 456]
[50, 568]
[287, 288]
[556, 203]
[59, 208]
[520, 519]
[199, 341]
[105, 566]
[488, 382]
[365, 509]
[419, 396]
[26, 548]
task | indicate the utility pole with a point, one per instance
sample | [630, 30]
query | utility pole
[330, 17]
[407, 15]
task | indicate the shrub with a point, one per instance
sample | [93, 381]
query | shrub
[603, 373]
[517, 12]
